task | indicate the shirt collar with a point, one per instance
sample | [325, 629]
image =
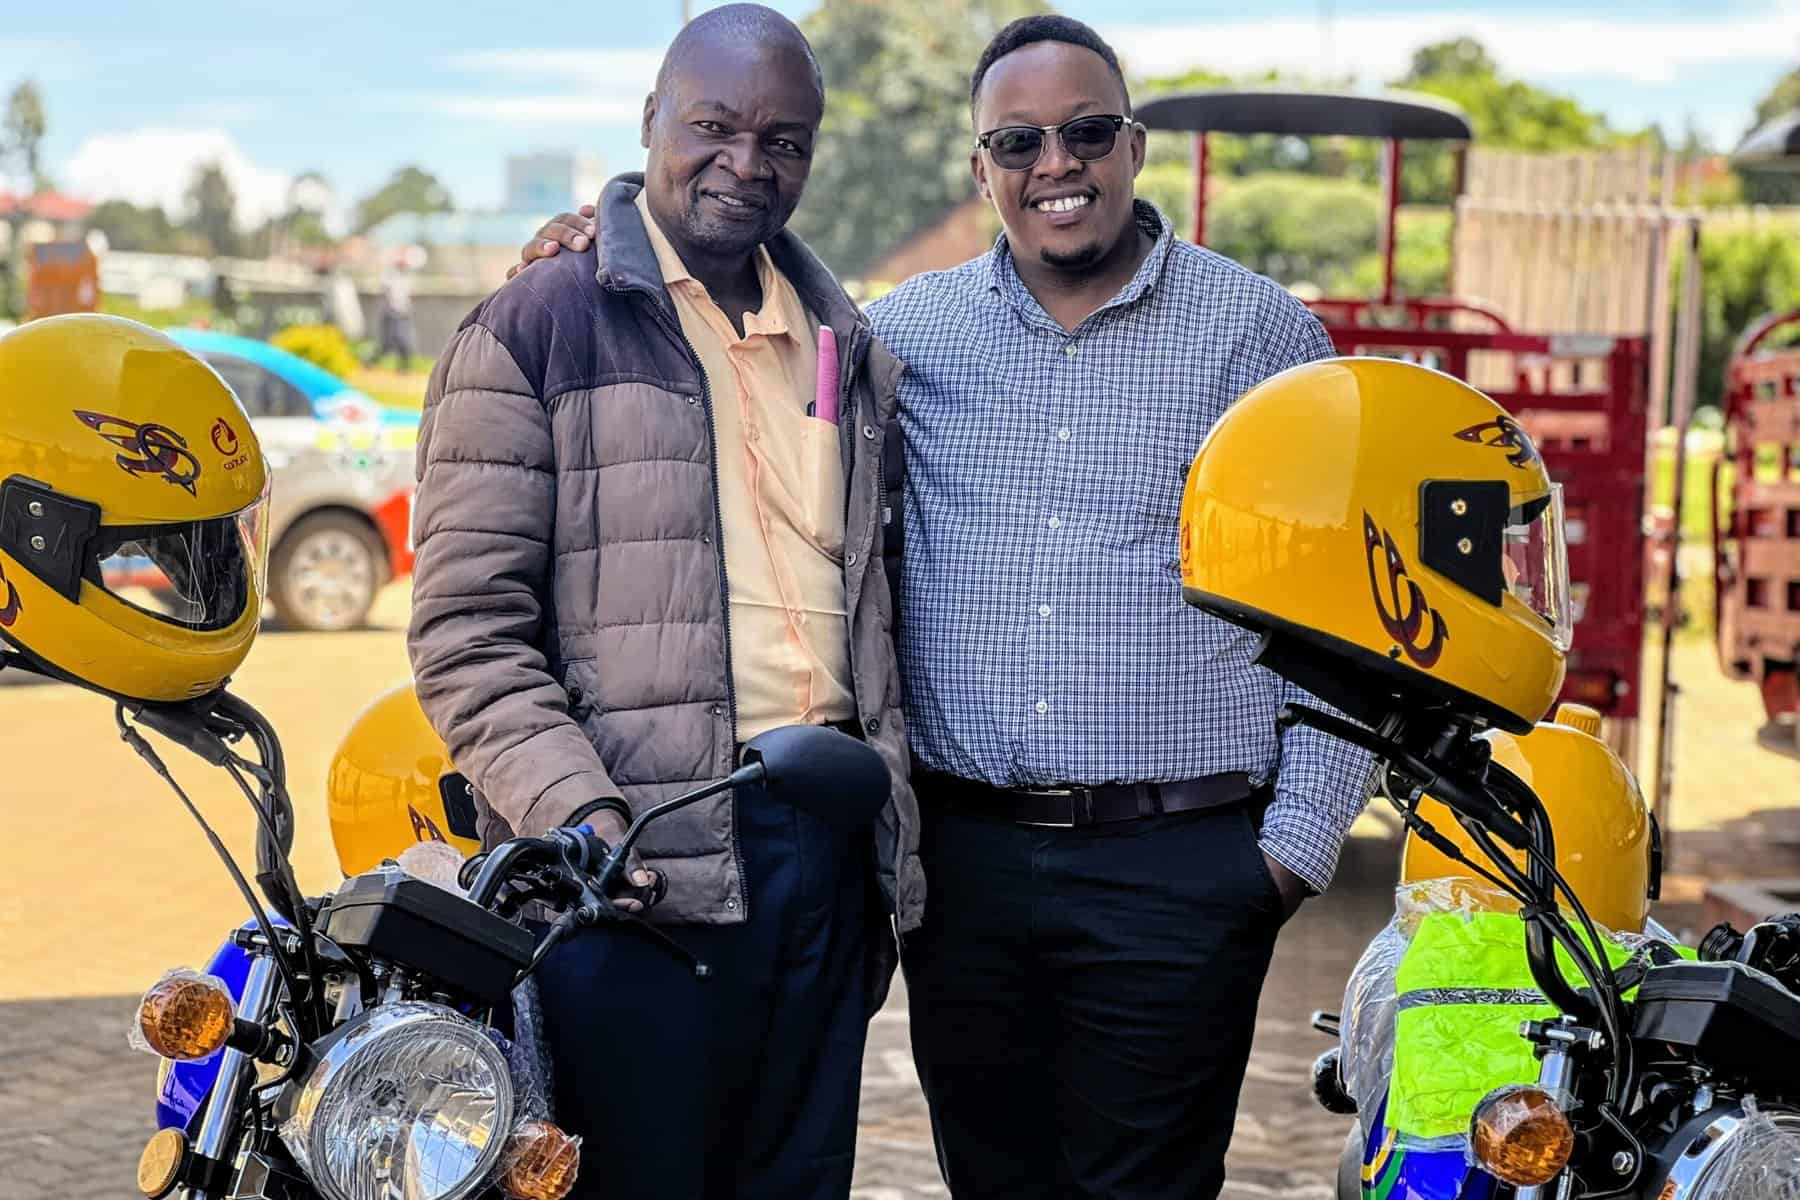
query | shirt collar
[1003, 277]
[771, 320]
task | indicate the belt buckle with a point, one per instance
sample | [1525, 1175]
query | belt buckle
[1081, 807]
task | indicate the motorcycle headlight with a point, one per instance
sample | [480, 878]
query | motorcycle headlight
[408, 1101]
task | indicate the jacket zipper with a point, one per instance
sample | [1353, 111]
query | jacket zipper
[712, 429]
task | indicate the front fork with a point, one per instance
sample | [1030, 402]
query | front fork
[221, 1120]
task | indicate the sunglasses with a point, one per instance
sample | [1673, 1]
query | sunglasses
[1018, 147]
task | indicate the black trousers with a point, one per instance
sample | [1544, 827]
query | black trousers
[1083, 1001]
[742, 1085]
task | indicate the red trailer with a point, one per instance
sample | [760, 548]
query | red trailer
[1756, 540]
[1584, 399]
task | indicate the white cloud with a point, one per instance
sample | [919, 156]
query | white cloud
[545, 109]
[607, 69]
[1379, 47]
[598, 87]
[156, 165]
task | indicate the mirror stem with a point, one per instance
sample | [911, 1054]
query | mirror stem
[745, 775]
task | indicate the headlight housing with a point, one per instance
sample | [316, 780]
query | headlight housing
[409, 1100]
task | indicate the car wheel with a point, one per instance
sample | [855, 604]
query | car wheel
[325, 573]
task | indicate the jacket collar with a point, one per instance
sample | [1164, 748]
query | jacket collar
[627, 261]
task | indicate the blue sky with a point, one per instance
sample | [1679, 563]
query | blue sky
[137, 92]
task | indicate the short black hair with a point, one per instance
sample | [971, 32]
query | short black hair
[742, 23]
[1046, 27]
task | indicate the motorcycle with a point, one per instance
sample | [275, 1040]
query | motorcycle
[381, 1041]
[1662, 1073]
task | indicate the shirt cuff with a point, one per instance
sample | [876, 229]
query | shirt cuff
[1295, 835]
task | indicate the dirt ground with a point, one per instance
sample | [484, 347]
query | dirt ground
[105, 883]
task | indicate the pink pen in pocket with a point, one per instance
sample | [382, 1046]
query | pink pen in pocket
[825, 401]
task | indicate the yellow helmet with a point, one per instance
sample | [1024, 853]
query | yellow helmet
[133, 510]
[391, 784]
[1394, 536]
[1606, 842]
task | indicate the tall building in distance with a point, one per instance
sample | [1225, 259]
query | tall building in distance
[552, 182]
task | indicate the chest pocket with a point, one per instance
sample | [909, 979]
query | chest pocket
[820, 508]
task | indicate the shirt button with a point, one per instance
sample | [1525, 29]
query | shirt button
[1043, 706]
[1062, 435]
[1070, 350]
[1056, 522]
[731, 902]
[1043, 610]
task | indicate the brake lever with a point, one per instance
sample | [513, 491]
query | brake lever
[583, 850]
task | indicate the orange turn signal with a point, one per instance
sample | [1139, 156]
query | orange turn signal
[1521, 1136]
[541, 1162]
[186, 1016]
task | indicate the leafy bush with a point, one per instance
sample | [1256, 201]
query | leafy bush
[1746, 272]
[322, 345]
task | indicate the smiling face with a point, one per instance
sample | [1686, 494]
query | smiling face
[1061, 211]
[730, 137]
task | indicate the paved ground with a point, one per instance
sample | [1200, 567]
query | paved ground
[104, 883]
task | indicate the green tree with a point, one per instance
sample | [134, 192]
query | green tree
[1504, 113]
[410, 190]
[22, 136]
[21, 141]
[1746, 273]
[1774, 187]
[128, 227]
[1296, 228]
[892, 153]
[214, 206]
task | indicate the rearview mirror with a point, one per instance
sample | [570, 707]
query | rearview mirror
[826, 773]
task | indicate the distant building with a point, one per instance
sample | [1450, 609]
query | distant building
[552, 183]
[43, 217]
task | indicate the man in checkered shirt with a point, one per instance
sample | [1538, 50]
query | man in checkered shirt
[1114, 828]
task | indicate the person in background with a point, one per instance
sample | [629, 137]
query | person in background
[397, 313]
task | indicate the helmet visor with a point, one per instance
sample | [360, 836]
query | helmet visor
[1535, 563]
[202, 575]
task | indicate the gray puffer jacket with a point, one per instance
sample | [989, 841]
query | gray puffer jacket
[569, 637]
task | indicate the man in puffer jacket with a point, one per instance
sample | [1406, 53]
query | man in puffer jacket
[642, 540]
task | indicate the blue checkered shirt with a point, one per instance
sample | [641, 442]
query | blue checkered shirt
[1044, 637]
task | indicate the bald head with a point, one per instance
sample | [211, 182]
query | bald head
[730, 130]
[738, 25]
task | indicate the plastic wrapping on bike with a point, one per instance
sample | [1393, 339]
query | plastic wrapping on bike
[1432, 1010]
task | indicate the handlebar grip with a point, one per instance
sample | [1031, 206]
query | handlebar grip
[592, 854]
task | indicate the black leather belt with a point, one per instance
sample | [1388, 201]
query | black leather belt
[1068, 807]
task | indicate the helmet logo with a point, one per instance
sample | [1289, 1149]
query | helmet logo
[224, 438]
[1403, 610]
[423, 829]
[9, 611]
[1503, 433]
[149, 449]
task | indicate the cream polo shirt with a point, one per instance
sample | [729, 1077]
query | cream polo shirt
[781, 498]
